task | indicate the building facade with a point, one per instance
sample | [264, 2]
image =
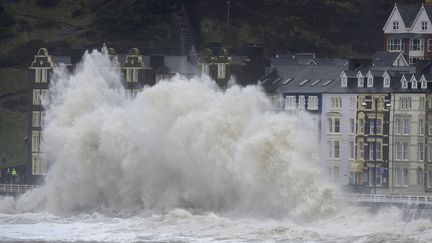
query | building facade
[408, 30]
[41, 69]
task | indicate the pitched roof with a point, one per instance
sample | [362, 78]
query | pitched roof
[382, 58]
[61, 60]
[428, 9]
[306, 60]
[408, 13]
[302, 79]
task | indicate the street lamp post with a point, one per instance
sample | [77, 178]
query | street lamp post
[376, 100]
[375, 143]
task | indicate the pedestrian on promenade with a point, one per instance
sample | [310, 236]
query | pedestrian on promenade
[13, 173]
[8, 175]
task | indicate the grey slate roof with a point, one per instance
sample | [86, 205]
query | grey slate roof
[383, 59]
[428, 9]
[307, 60]
[303, 79]
[331, 61]
[57, 60]
[408, 13]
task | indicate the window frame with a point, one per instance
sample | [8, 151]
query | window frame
[36, 97]
[395, 25]
[394, 45]
[36, 119]
[221, 72]
[424, 25]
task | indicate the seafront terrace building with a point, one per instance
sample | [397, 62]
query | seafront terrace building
[350, 98]
[408, 30]
[138, 71]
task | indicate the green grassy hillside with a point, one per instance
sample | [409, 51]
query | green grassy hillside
[329, 27]
[12, 133]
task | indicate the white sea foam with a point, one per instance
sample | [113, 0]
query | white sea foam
[184, 161]
[181, 143]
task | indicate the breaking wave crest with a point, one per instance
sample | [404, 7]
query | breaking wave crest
[180, 144]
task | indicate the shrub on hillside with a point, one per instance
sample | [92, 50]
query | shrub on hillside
[47, 3]
[76, 13]
[24, 25]
[6, 21]
[134, 15]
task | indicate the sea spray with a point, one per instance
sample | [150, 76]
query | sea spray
[182, 143]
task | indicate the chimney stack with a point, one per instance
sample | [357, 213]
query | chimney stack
[428, 2]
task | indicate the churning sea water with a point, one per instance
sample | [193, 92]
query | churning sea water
[179, 225]
[184, 161]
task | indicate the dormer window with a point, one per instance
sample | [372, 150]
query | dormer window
[360, 80]
[424, 25]
[423, 83]
[370, 80]
[386, 81]
[404, 83]
[395, 25]
[344, 80]
[413, 83]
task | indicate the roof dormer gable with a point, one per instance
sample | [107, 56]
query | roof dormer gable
[404, 82]
[386, 80]
[423, 82]
[400, 61]
[422, 23]
[344, 79]
[312, 62]
[360, 79]
[42, 60]
[413, 82]
[395, 23]
[370, 79]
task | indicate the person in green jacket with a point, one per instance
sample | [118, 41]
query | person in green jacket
[13, 173]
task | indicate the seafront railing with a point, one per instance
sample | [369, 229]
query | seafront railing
[383, 198]
[15, 188]
[355, 197]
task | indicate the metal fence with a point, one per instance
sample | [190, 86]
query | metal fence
[16, 188]
[382, 198]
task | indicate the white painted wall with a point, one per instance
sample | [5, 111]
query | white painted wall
[345, 113]
[417, 27]
[414, 114]
[395, 16]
